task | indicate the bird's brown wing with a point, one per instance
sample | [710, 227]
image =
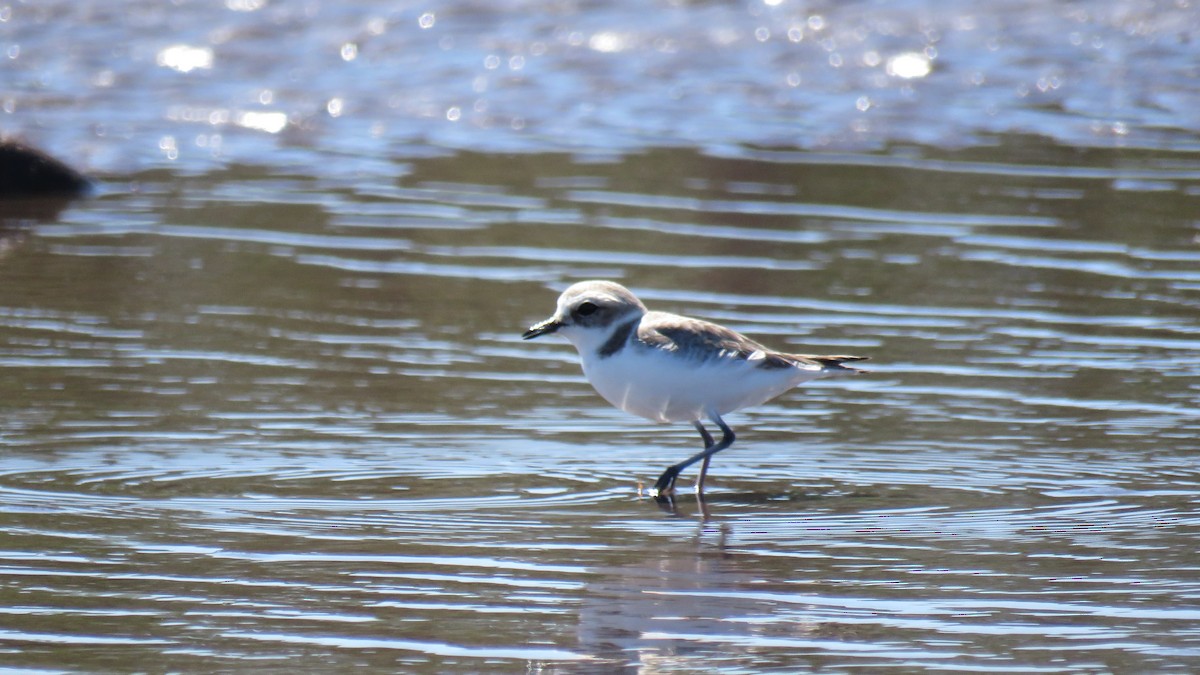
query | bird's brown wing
[704, 340]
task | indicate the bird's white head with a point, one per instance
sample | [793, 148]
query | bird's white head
[588, 312]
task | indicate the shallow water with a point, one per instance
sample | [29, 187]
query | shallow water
[264, 401]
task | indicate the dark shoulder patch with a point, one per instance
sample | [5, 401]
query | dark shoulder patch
[618, 339]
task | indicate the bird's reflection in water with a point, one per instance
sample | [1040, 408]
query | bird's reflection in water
[669, 609]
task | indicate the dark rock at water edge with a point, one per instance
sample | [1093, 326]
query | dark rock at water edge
[28, 172]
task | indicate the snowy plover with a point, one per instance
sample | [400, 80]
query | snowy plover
[671, 368]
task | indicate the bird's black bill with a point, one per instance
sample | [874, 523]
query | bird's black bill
[543, 328]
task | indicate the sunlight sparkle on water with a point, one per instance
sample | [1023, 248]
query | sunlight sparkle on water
[607, 42]
[909, 65]
[270, 122]
[185, 59]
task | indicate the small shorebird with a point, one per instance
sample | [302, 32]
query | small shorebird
[671, 368]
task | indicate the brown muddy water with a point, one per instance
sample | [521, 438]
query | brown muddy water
[264, 403]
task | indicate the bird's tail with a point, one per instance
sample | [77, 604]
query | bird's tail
[835, 365]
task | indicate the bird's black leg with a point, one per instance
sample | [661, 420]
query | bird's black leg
[666, 482]
[708, 443]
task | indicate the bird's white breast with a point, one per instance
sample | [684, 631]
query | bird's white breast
[666, 386]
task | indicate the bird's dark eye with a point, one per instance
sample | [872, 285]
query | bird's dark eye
[586, 309]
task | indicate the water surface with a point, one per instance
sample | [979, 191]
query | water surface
[264, 403]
